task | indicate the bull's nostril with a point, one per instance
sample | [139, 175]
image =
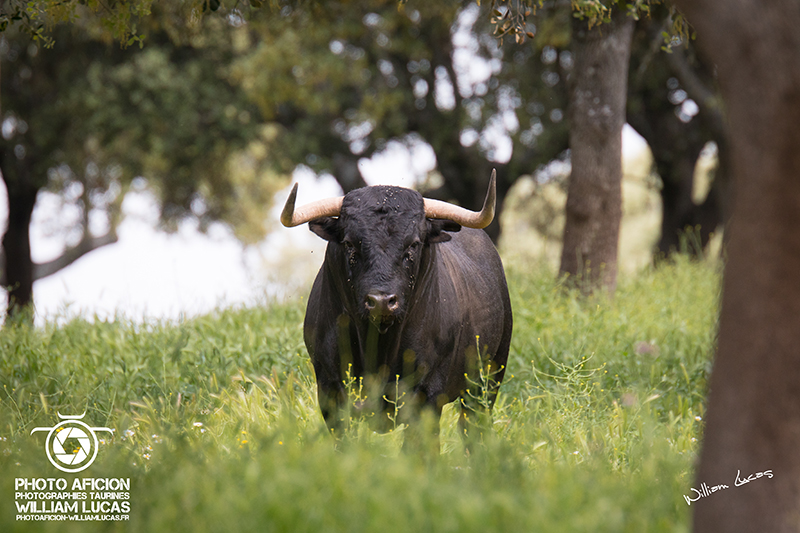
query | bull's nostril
[381, 304]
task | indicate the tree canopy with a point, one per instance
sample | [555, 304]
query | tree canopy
[89, 116]
[37, 18]
[375, 74]
[215, 110]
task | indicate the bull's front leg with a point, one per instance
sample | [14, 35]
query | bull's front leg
[332, 402]
[421, 415]
[330, 349]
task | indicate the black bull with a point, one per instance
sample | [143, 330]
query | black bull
[406, 299]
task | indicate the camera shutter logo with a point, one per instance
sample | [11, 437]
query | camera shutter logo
[71, 445]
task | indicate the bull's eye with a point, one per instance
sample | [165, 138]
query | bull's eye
[351, 252]
[410, 254]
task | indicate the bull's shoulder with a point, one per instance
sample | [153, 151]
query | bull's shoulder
[471, 263]
[469, 248]
[471, 270]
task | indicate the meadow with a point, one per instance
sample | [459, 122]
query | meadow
[596, 428]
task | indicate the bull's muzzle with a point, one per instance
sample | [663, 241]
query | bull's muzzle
[382, 309]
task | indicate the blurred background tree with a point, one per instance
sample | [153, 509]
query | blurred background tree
[115, 20]
[215, 112]
[39, 144]
[374, 74]
[85, 117]
[674, 104]
[665, 92]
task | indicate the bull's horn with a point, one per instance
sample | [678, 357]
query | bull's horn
[290, 217]
[465, 217]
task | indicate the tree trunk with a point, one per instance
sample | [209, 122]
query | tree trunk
[18, 267]
[346, 171]
[679, 210]
[675, 141]
[597, 114]
[753, 417]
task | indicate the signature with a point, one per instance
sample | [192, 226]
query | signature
[706, 490]
[739, 482]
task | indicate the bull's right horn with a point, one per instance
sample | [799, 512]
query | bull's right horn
[291, 217]
[465, 217]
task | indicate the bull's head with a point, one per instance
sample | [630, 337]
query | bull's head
[380, 240]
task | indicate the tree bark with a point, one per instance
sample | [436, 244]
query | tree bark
[346, 171]
[753, 417]
[70, 255]
[597, 114]
[18, 265]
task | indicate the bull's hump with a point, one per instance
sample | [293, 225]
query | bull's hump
[470, 260]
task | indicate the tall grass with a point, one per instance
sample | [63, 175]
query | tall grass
[216, 423]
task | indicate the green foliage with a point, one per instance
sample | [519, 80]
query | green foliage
[172, 114]
[331, 85]
[38, 17]
[510, 17]
[374, 74]
[126, 22]
[594, 429]
[87, 115]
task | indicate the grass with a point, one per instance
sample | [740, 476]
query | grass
[595, 429]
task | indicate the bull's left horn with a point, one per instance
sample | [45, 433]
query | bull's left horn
[465, 217]
[290, 217]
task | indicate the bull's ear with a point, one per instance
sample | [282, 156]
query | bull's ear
[326, 227]
[437, 230]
